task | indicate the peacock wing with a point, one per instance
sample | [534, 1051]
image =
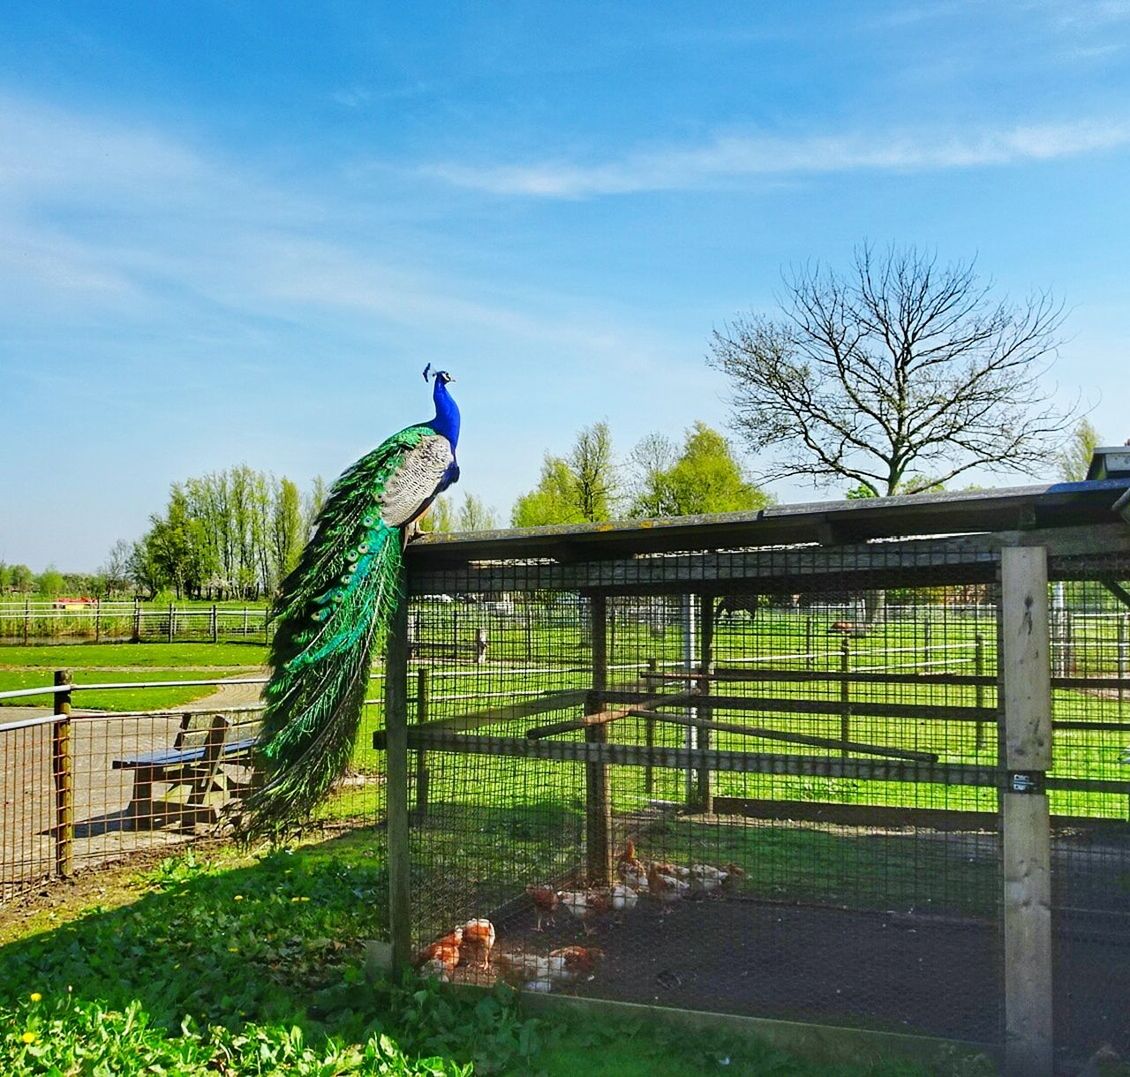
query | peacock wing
[422, 472]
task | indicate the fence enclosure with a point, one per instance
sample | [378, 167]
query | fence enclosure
[45, 621]
[794, 766]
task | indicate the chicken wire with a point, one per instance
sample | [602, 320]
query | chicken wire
[837, 861]
[89, 789]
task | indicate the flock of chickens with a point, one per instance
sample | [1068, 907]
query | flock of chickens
[666, 883]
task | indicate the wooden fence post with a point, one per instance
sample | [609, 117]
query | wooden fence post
[396, 763]
[809, 643]
[97, 620]
[1025, 674]
[62, 772]
[649, 734]
[137, 620]
[423, 694]
[27, 619]
[172, 622]
[1122, 655]
[845, 693]
[481, 645]
[706, 667]
[598, 813]
[927, 639]
[215, 624]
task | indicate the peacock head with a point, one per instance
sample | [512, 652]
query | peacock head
[442, 377]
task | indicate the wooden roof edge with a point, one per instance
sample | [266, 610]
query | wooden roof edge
[825, 522]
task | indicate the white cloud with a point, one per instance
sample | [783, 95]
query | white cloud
[729, 157]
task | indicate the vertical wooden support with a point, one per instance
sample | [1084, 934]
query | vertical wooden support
[706, 667]
[687, 621]
[481, 645]
[810, 643]
[27, 619]
[137, 620]
[98, 620]
[172, 622]
[845, 693]
[927, 641]
[1122, 655]
[215, 624]
[649, 734]
[979, 691]
[396, 756]
[423, 693]
[62, 772]
[598, 815]
[1025, 660]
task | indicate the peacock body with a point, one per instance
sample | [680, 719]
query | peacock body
[333, 610]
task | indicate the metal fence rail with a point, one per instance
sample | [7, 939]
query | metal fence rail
[31, 622]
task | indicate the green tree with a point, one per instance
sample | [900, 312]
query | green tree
[5, 578]
[22, 578]
[581, 487]
[704, 477]
[1075, 459]
[440, 515]
[50, 582]
[475, 515]
[287, 536]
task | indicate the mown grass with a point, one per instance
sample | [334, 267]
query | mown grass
[239, 964]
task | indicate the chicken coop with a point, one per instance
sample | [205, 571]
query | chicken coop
[848, 765]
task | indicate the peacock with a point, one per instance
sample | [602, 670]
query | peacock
[333, 610]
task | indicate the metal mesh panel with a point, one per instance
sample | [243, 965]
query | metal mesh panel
[1089, 792]
[806, 775]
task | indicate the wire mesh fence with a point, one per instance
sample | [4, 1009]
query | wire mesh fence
[85, 789]
[775, 796]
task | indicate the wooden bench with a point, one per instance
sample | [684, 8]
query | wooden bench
[193, 769]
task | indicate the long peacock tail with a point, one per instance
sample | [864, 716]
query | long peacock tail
[333, 611]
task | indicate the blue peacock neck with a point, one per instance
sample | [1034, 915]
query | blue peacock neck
[446, 421]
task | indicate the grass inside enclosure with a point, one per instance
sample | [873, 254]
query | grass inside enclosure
[237, 963]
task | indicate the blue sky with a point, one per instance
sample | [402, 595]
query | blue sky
[235, 232]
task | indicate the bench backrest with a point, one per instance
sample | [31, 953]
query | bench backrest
[205, 731]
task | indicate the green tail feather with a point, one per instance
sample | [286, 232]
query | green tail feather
[333, 611]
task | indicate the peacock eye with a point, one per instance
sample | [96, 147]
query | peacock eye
[368, 520]
[352, 555]
[363, 548]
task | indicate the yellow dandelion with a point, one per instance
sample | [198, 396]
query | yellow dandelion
[295, 900]
[30, 1037]
[304, 899]
[238, 897]
[233, 949]
[36, 997]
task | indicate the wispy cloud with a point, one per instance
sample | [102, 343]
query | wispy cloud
[731, 157]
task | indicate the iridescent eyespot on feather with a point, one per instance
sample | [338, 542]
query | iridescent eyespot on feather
[351, 556]
[363, 548]
[368, 520]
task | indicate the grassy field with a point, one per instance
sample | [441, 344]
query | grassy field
[255, 964]
[92, 663]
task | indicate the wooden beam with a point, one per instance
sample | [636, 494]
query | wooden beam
[1027, 742]
[641, 710]
[1119, 592]
[705, 665]
[839, 744]
[637, 755]
[396, 723]
[917, 711]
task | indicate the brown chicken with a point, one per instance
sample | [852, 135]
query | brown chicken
[631, 869]
[479, 936]
[441, 957]
[579, 962]
[545, 903]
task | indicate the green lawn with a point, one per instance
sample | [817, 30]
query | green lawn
[258, 962]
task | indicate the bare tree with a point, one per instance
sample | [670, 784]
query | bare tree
[899, 366]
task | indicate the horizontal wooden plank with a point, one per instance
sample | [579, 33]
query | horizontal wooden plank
[701, 759]
[788, 737]
[870, 815]
[739, 675]
[859, 708]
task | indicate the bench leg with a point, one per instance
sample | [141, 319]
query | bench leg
[141, 806]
